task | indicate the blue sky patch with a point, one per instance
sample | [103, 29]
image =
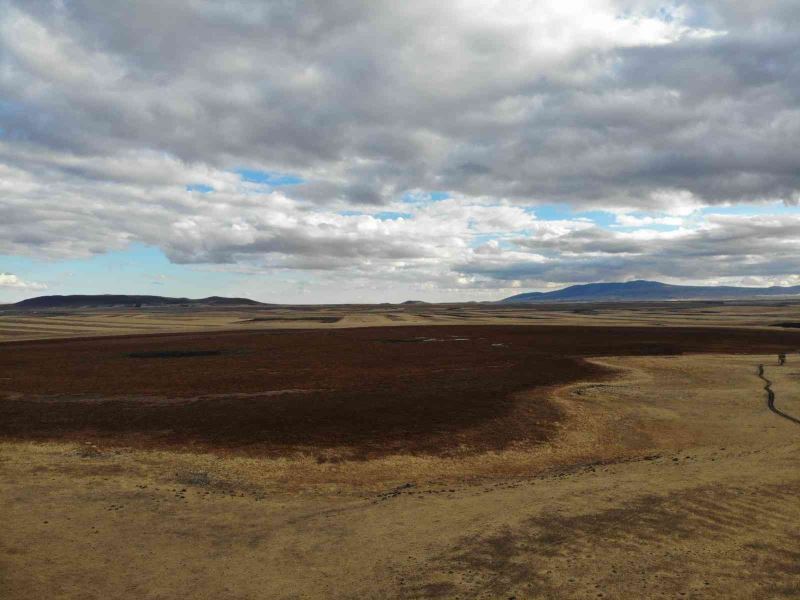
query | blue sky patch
[199, 187]
[386, 215]
[562, 212]
[137, 269]
[424, 197]
[389, 215]
[267, 178]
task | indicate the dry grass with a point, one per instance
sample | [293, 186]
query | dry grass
[674, 480]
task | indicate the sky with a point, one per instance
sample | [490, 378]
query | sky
[379, 151]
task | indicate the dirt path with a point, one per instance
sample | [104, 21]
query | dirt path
[771, 397]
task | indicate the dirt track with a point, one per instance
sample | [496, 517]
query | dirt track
[771, 397]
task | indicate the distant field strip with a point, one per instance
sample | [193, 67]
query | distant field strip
[35, 327]
[18, 325]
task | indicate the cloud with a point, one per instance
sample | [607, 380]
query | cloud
[115, 116]
[365, 100]
[735, 248]
[625, 220]
[9, 280]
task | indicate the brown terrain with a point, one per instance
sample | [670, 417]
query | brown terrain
[471, 460]
[18, 324]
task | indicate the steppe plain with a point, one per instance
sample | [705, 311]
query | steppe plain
[414, 451]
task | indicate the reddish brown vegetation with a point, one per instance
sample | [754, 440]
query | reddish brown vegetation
[374, 391]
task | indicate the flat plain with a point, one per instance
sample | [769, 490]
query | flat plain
[418, 451]
[16, 324]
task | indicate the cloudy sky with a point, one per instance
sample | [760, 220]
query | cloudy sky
[332, 151]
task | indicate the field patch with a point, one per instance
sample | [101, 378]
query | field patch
[335, 394]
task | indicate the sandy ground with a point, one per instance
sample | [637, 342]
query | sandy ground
[39, 324]
[672, 481]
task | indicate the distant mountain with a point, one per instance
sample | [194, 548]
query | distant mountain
[648, 290]
[111, 300]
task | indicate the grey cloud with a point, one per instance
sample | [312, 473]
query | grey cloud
[347, 89]
[584, 241]
[727, 247]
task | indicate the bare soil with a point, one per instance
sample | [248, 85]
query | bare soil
[367, 392]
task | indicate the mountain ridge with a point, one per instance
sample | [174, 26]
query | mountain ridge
[641, 289]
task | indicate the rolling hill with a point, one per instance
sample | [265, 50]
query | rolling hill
[110, 300]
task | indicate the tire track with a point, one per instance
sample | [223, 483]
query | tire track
[771, 397]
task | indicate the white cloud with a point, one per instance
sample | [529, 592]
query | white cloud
[635, 221]
[9, 280]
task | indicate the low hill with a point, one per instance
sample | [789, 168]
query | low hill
[648, 290]
[110, 300]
